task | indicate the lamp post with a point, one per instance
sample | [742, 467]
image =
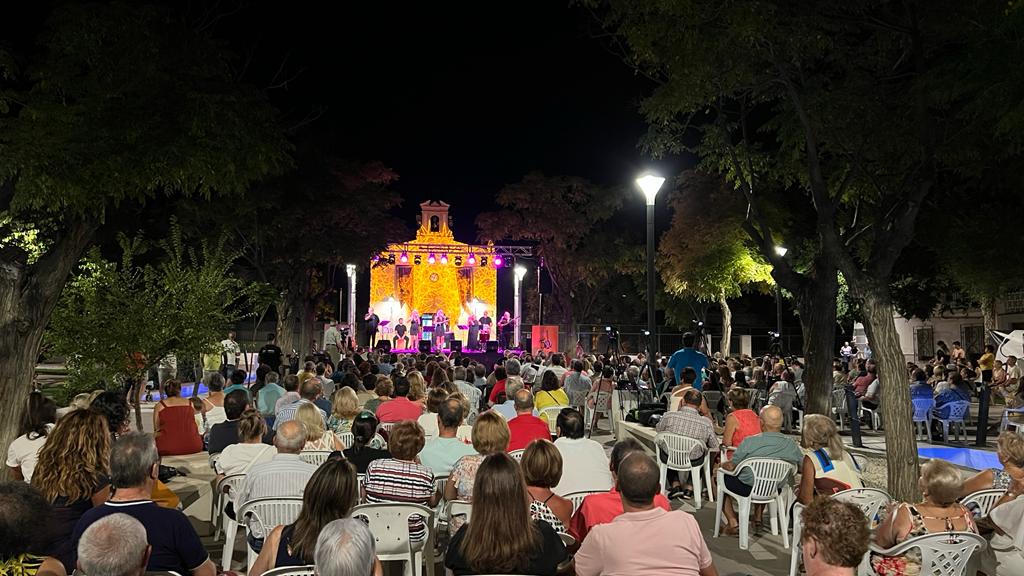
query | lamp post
[350, 271]
[780, 251]
[520, 272]
[650, 184]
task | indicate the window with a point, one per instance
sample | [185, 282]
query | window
[924, 343]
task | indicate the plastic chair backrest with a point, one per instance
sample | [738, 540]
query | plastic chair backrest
[677, 447]
[871, 501]
[551, 415]
[713, 397]
[923, 409]
[839, 400]
[460, 508]
[983, 499]
[517, 455]
[314, 457]
[577, 497]
[389, 523]
[958, 410]
[942, 553]
[347, 439]
[292, 571]
[270, 512]
[768, 474]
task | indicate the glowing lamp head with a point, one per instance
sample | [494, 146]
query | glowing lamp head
[444, 258]
[650, 184]
[498, 262]
[520, 272]
[404, 259]
[781, 251]
[471, 260]
[431, 259]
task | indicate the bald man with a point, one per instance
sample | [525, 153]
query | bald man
[770, 443]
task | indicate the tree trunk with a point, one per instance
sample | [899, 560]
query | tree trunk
[726, 326]
[816, 304]
[900, 440]
[289, 310]
[988, 312]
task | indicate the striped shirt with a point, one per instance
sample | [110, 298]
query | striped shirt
[287, 413]
[285, 475]
[391, 480]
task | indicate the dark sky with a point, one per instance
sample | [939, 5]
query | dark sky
[460, 99]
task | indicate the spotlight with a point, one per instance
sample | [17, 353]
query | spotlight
[404, 259]
[391, 258]
[431, 259]
[483, 260]
[498, 262]
[376, 258]
[458, 261]
[471, 260]
[417, 260]
[444, 258]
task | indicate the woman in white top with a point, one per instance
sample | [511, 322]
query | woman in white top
[250, 449]
[827, 468]
[318, 437]
[428, 421]
[36, 422]
[213, 405]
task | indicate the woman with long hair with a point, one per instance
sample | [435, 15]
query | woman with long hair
[827, 468]
[502, 538]
[318, 437]
[36, 423]
[72, 474]
[367, 445]
[330, 494]
[344, 409]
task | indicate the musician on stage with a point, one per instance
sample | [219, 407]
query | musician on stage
[505, 327]
[440, 328]
[473, 328]
[400, 335]
[415, 325]
[485, 327]
[372, 322]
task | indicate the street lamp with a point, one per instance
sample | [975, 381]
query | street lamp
[780, 251]
[650, 184]
[520, 272]
[350, 271]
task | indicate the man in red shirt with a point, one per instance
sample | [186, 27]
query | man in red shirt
[526, 427]
[603, 507]
[401, 408]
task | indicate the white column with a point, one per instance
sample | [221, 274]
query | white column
[518, 306]
[350, 269]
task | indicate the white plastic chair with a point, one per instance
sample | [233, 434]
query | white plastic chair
[292, 571]
[714, 398]
[266, 513]
[347, 439]
[923, 416]
[213, 460]
[769, 475]
[442, 504]
[1005, 424]
[839, 407]
[957, 412]
[785, 399]
[219, 502]
[517, 455]
[874, 413]
[871, 502]
[577, 497]
[460, 508]
[603, 408]
[315, 457]
[942, 553]
[678, 449]
[551, 415]
[385, 427]
[389, 523]
[983, 499]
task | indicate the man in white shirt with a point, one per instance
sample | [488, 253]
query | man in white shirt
[472, 393]
[440, 454]
[557, 366]
[308, 392]
[584, 462]
[333, 342]
[231, 355]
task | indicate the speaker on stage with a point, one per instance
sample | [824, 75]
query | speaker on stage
[383, 346]
[455, 345]
[424, 346]
[492, 346]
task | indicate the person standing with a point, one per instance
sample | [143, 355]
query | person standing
[505, 330]
[231, 354]
[415, 326]
[333, 342]
[485, 328]
[440, 328]
[372, 322]
[846, 352]
[688, 357]
[271, 354]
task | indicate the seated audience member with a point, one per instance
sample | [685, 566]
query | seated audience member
[224, 434]
[213, 404]
[317, 436]
[174, 544]
[542, 469]
[644, 539]
[291, 393]
[344, 409]
[835, 538]
[269, 394]
[36, 422]
[920, 387]
[827, 468]
[383, 390]
[1010, 451]
[742, 422]
[687, 377]
[584, 463]
[250, 450]
[770, 443]
[490, 435]
[577, 384]
[71, 473]
[462, 378]
[687, 422]
[1005, 553]
[940, 485]
[428, 420]
[401, 478]
[550, 394]
[308, 371]
[331, 493]
[602, 508]
[115, 545]
[174, 423]
[512, 369]
[346, 547]
[367, 445]
[526, 426]
[502, 538]
[285, 475]
[506, 405]
[958, 391]
[401, 407]
[417, 391]
[442, 452]
[24, 513]
[237, 378]
[309, 391]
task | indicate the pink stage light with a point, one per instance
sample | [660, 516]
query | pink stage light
[431, 259]
[471, 260]
[444, 258]
[498, 262]
[405, 258]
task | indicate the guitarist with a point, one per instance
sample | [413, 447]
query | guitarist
[505, 326]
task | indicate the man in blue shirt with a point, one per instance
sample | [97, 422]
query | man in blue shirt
[688, 357]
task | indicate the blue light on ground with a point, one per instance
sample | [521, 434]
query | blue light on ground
[966, 457]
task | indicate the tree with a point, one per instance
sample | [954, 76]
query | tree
[115, 104]
[569, 220]
[847, 107]
[706, 254]
[115, 319]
